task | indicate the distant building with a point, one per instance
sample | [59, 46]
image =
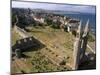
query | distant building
[72, 25]
[39, 19]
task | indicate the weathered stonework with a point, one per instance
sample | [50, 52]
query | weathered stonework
[80, 45]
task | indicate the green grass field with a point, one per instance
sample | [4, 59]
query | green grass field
[62, 43]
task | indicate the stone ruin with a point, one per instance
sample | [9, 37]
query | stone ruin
[79, 49]
[27, 43]
[80, 45]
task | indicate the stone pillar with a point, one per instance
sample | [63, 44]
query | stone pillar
[77, 46]
[76, 53]
[80, 45]
[84, 40]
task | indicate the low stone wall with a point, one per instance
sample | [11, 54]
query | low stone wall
[21, 32]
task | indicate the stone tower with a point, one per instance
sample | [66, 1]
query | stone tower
[77, 46]
[80, 45]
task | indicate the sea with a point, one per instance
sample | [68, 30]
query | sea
[84, 17]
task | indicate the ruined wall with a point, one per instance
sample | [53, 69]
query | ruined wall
[21, 32]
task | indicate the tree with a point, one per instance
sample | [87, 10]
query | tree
[48, 21]
[13, 19]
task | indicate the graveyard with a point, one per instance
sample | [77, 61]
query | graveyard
[50, 44]
[56, 55]
[38, 54]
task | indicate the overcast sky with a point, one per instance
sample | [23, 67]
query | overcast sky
[65, 7]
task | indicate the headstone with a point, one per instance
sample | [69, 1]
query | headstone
[19, 42]
[30, 39]
[18, 53]
[25, 40]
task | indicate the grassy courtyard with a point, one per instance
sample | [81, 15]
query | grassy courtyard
[60, 42]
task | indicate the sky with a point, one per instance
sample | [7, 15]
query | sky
[49, 6]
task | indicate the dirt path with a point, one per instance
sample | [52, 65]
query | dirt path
[20, 66]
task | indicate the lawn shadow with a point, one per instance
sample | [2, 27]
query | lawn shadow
[28, 44]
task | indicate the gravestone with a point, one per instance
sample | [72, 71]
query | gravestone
[18, 53]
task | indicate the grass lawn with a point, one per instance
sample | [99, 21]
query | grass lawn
[59, 42]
